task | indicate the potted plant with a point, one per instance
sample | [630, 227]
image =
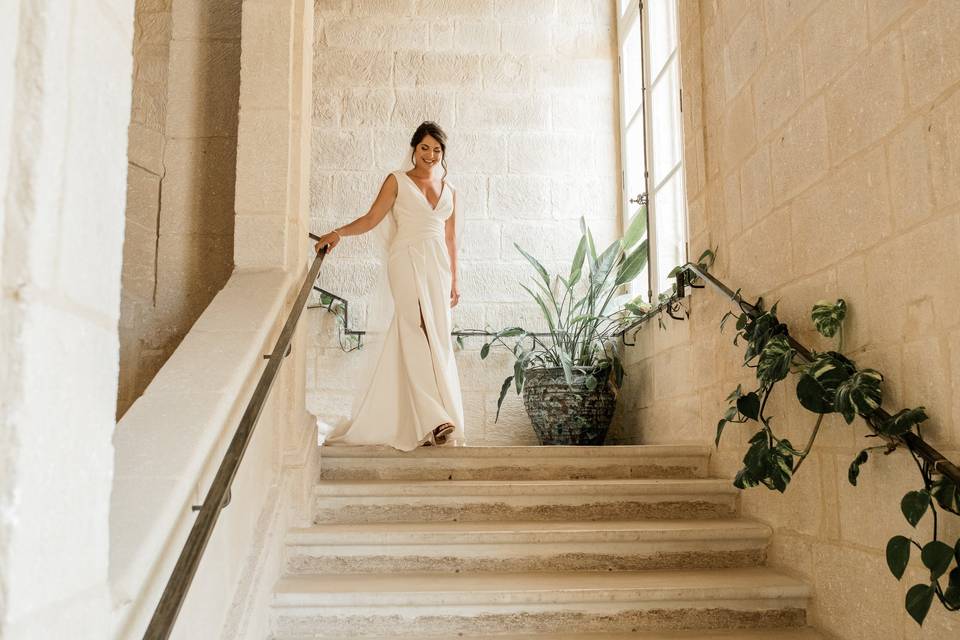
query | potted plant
[570, 376]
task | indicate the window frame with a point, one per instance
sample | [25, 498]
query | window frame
[630, 14]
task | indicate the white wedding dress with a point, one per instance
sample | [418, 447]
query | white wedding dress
[411, 384]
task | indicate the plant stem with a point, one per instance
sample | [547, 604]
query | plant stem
[813, 436]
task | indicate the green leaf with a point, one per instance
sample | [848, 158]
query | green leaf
[913, 505]
[576, 267]
[720, 426]
[591, 382]
[749, 405]
[937, 557]
[511, 332]
[952, 592]
[632, 266]
[918, 601]
[604, 265]
[567, 365]
[816, 389]
[618, 371]
[636, 229]
[484, 351]
[536, 264]
[460, 341]
[775, 359]
[854, 471]
[827, 317]
[898, 555]
[902, 422]
[947, 494]
[518, 369]
[543, 308]
[591, 247]
[859, 394]
[503, 394]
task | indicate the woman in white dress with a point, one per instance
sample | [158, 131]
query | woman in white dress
[411, 394]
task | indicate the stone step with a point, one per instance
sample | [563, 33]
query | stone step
[781, 633]
[513, 463]
[448, 547]
[418, 605]
[474, 500]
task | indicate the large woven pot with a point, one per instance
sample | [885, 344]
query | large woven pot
[563, 415]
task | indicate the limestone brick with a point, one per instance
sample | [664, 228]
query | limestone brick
[926, 368]
[350, 68]
[519, 196]
[778, 89]
[391, 148]
[413, 106]
[731, 203]
[367, 107]
[832, 37]
[762, 255]
[452, 70]
[584, 40]
[526, 38]
[756, 199]
[261, 177]
[911, 195]
[799, 156]
[149, 106]
[262, 240]
[932, 50]
[573, 197]
[153, 27]
[384, 34]
[198, 188]
[543, 240]
[476, 36]
[143, 197]
[944, 144]
[203, 108]
[883, 13]
[494, 111]
[485, 153]
[739, 130]
[145, 148]
[585, 11]
[383, 7]
[471, 194]
[327, 106]
[443, 8]
[852, 117]
[847, 212]
[545, 153]
[481, 240]
[745, 51]
[344, 150]
[783, 17]
[200, 19]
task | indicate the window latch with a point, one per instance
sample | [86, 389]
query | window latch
[641, 199]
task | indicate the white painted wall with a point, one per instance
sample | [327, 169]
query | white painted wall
[526, 90]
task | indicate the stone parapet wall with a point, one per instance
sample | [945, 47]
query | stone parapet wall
[821, 145]
[527, 92]
[178, 245]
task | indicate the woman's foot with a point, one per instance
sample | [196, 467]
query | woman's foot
[442, 433]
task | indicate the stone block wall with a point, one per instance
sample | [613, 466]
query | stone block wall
[821, 145]
[526, 90]
[178, 245]
[64, 106]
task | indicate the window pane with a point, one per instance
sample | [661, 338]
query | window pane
[670, 211]
[622, 4]
[641, 284]
[662, 15]
[636, 163]
[665, 122]
[632, 71]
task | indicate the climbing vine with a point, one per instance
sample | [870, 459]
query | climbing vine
[829, 382]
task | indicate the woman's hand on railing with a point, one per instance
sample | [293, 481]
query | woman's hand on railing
[329, 240]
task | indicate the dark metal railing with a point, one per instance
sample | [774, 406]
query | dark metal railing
[912, 441]
[175, 592]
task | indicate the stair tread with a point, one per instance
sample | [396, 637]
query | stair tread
[505, 452]
[493, 531]
[693, 634]
[431, 488]
[327, 590]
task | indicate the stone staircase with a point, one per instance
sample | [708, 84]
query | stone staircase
[530, 542]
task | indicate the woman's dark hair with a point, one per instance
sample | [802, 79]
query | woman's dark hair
[429, 128]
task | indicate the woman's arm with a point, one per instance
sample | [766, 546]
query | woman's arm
[366, 222]
[451, 238]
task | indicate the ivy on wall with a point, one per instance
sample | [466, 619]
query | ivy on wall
[828, 383]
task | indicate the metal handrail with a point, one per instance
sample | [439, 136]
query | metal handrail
[175, 592]
[912, 441]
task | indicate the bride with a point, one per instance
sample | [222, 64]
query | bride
[410, 394]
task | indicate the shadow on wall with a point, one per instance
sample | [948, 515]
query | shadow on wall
[178, 245]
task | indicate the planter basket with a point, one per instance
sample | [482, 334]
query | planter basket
[563, 415]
